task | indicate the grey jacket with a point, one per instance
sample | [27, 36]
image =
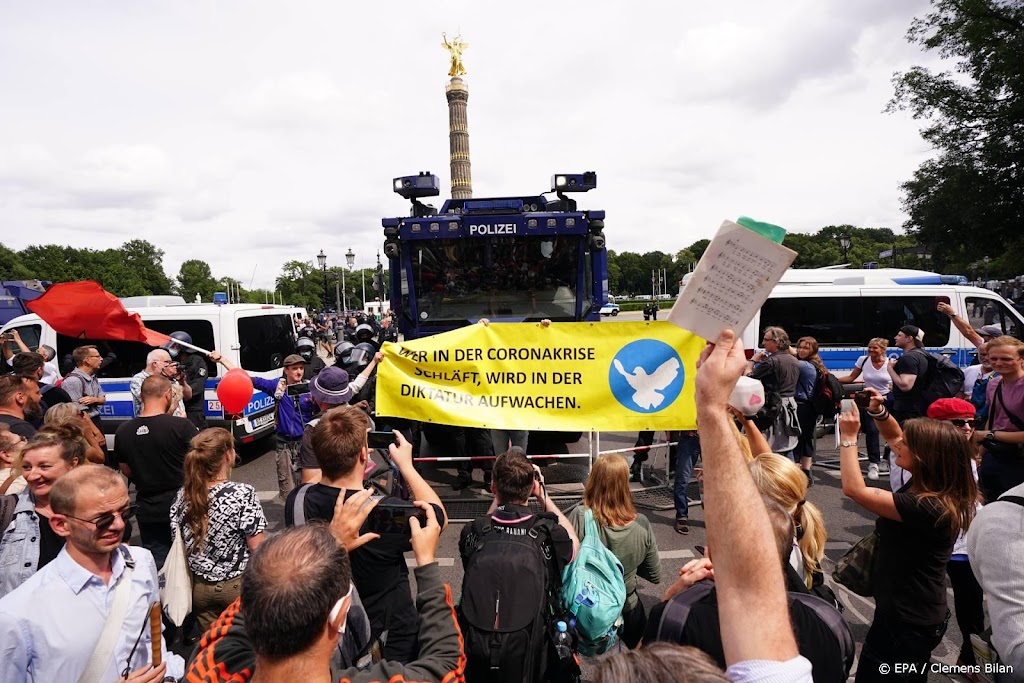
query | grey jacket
[19, 545]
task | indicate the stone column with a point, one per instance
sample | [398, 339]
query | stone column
[457, 93]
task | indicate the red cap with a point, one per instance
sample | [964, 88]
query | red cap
[950, 408]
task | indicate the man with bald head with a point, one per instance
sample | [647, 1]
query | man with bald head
[51, 625]
[158, 362]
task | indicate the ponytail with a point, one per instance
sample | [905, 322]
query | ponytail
[202, 465]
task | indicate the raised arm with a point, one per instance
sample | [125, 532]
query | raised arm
[752, 602]
[962, 324]
[401, 455]
[873, 499]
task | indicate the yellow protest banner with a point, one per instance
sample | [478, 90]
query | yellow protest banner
[565, 377]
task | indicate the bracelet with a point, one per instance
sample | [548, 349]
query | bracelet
[881, 415]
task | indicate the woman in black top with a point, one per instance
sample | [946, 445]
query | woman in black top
[916, 528]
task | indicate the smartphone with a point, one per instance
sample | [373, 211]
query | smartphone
[862, 399]
[393, 519]
[380, 439]
[298, 389]
[700, 550]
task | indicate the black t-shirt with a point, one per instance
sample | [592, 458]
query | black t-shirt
[18, 426]
[378, 568]
[913, 362]
[814, 639]
[513, 515]
[910, 566]
[780, 373]
[50, 544]
[154, 448]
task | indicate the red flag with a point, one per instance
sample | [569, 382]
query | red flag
[86, 311]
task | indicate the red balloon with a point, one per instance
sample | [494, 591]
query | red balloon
[235, 391]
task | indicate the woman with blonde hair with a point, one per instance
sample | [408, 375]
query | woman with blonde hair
[783, 481]
[811, 370]
[873, 369]
[221, 522]
[92, 438]
[11, 444]
[625, 532]
[29, 543]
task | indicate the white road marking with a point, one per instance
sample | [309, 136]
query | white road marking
[676, 554]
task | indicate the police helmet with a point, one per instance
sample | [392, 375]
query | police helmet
[359, 357]
[305, 347]
[172, 348]
[341, 351]
[364, 332]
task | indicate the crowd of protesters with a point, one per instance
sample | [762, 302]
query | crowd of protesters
[330, 597]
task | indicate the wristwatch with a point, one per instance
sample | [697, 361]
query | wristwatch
[991, 436]
[846, 444]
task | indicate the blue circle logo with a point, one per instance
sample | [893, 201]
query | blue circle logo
[646, 376]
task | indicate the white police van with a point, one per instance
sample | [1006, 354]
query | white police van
[844, 308]
[252, 336]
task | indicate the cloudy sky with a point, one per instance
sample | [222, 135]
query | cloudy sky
[248, 133]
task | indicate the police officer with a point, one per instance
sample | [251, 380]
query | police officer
[388, 331]
[312, 362]
[194, 372]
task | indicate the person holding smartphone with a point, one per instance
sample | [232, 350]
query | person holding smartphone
[379, 570]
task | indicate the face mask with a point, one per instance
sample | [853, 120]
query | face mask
[306, 354]
[174, 351]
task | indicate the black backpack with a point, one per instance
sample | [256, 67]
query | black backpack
[509, 604]
[943, 379]
[677, 611]
[828, 395]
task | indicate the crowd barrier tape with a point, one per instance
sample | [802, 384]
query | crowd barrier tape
[564, 377]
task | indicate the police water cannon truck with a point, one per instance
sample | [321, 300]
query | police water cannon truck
[509, 259]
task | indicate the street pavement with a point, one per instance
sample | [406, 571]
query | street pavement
[845, 521]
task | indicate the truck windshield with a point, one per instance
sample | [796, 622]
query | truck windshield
[521, 277]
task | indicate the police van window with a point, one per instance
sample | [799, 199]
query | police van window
[121, 359]
[982, 311]
[528, 277]
[201, 332]
[124, 359]
[29, 334]
[265, 341]
[853, 320]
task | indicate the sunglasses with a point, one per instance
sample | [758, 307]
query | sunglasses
[104, 521]
[960, 422]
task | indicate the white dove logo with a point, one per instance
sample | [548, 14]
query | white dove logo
[636, 386]
[646, 387]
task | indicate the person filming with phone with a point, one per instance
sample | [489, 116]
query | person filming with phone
[379, 570]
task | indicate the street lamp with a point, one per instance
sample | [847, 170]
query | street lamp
[844, 242]
[350, 260]
[321, 259]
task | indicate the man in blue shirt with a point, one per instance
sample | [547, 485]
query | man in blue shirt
[53, 626]
[292, 413]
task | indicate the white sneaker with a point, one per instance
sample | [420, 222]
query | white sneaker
[873, 471]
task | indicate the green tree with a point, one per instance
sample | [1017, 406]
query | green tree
[11, 266]
[975, 186]
[142, 269]
[698, 248]
[194, 277]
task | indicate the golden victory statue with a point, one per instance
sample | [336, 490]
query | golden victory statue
[455, 47]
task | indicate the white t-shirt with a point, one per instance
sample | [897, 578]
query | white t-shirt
[876, 379]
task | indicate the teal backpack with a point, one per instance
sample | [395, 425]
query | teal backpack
[594, 592]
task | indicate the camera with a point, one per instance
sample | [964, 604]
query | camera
[298, 389]
[862, 399]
